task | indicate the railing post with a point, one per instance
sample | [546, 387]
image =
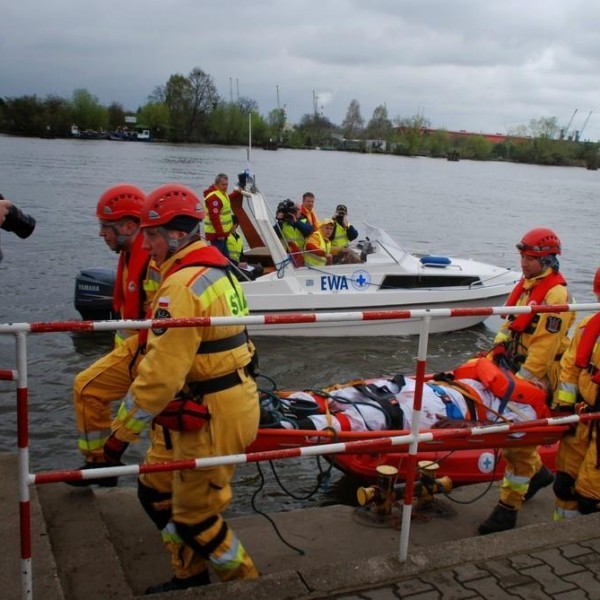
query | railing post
[23, 466]
[414, 429]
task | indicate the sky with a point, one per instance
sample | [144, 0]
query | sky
[485, 66]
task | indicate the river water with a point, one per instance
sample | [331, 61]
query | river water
[470, 209]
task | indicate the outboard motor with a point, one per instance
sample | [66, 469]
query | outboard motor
[94, 294]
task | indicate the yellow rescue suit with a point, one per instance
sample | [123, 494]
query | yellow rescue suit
[542, 345]
[193, 530]
[577, 485]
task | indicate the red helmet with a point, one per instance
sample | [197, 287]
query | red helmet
[119, 201]
[169, 201]
[597, 281]
[539, 242]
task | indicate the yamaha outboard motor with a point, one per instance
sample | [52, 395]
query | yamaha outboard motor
[94, 294]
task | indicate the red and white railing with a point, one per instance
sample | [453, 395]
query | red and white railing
[380, 444]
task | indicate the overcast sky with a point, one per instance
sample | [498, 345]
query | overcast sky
[480, 65]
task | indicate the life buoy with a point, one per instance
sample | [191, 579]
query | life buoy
[503, 384]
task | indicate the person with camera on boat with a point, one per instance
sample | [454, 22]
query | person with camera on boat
[108, 379]
[577, 482]
[531, 346]
[13, 219]
[293, 229]
[343, 233]
[317, 252]
[198, 383]
[217, 204]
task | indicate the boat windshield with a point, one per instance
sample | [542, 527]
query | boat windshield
[379, 237]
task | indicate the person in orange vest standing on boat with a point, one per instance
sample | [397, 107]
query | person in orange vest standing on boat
[198, 383]
[531, 345]
[577, 482]
[307, 209]
[219, 212]
[137, 279]
[317, 251]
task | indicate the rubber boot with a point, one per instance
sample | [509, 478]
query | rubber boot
[177, 583]
[100, 482]
[502, 518]
[543, 478]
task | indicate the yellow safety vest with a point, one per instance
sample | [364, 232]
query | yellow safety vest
[225, 216]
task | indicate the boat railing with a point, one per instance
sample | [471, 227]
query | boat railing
[26, 478]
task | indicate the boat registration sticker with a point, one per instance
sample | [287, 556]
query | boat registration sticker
[486, 462]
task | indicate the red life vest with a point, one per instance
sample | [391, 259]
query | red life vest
[208, 256]
[589, 337]
[504, 385]
[537, 295]
[129, 299]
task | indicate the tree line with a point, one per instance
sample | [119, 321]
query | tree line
[188, 108]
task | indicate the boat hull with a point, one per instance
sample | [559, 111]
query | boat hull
[369, 328]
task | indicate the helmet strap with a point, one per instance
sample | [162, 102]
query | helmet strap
[176, 244]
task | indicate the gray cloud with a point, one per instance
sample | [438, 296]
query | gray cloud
[467, 64]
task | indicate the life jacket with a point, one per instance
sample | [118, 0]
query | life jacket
[128, 296]
[324, 244]
[208, 256]
[311, 217]
[536, 296]
[588, 340]
[225, 216]
[504, 384]
[339, 237]
[235, 246]
[294, 242]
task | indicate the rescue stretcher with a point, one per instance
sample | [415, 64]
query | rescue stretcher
[465, 460]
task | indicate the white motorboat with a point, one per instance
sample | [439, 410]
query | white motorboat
[389, 279]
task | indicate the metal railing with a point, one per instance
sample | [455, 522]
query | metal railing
[380, 444]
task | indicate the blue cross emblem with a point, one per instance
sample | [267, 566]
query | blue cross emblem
[361, 279]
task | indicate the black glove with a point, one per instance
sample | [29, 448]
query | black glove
[114, 449]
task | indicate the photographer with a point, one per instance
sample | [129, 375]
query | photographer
[292, 229]
[15, 220]
[343, 234]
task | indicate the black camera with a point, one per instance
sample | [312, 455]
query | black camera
[18, 222]
[287, 207]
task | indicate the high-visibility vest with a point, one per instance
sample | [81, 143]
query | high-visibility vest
[312, 260]
[225, 215]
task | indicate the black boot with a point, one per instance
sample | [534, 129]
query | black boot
[101, 481]
[503, 518]
[176, 583]
[544, 477]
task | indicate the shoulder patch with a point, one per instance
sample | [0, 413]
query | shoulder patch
[161, 313]
[553, 324]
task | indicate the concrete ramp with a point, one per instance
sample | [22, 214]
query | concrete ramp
[98, 544]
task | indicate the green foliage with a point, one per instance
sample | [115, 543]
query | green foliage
[155, 116]
[116, 116]
[87, 112]
[379, 127]
[353, 124]
[188, 108]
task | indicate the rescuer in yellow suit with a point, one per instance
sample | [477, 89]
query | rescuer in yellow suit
[199, 383]
[108, 379]
[577, 483]
[531, 345]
